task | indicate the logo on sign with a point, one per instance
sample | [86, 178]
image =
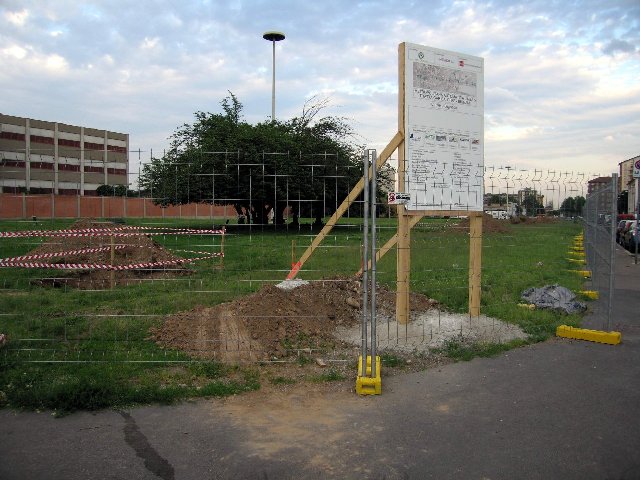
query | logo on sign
[398, 198]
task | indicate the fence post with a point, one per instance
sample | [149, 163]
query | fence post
[612, 244]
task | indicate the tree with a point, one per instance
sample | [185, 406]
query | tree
[306, 163]
[531, 205]
[115, 191]
[573, 206]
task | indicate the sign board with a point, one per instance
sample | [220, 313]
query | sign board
[636, 168]
[444, 129]
[398, 198]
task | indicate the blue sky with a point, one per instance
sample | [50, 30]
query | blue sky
[562, 86]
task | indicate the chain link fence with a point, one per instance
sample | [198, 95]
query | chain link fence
[600, 222]
[239, 308]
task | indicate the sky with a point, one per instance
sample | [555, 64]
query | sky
[562, 78]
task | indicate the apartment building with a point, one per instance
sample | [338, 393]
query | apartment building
[38, 156]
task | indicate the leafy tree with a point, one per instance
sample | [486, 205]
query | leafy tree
[573, 206]
[115, 191]
[306, 163]
[531, 205]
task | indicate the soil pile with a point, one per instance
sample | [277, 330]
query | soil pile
[489, 225]
[273, 322]
[133, 250]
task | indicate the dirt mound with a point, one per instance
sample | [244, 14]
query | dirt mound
[273, 322]
[130, 250]
[489, 225]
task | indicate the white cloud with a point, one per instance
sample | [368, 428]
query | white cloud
[15, 51]
[17, 18]
[56, 64]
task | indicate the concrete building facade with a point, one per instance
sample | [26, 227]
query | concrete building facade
[629, 184]
[49, 157]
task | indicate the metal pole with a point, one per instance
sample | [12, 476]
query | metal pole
[273, 84]
[372, 155]
[612, 243]
[273, 37]
[637, 207]
[365, 260]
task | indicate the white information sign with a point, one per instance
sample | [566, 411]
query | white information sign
[636, 168]
[444, 129]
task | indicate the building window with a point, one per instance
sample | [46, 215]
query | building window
[12, 136]
[68, 168]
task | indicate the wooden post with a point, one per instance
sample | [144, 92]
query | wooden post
[475, 263]
[403, 257]
[293, 253]
[224, 232]
[112, 272]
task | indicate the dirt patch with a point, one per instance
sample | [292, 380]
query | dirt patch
[138, 249]
[489, 225]
[275, 323]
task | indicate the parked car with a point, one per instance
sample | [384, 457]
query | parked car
[623, 230]
[629, 238]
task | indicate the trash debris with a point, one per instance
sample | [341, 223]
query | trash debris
[553, 297]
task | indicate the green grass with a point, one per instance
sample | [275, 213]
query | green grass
[332, 375]
[65, 388]
[106, 332]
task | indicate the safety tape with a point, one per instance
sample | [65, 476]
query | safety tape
[98, 266]
[113, 232]
[61, 254]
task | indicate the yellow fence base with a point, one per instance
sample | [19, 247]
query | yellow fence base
[365, 384]
[584, 273]
[592, 294]
[610, 338]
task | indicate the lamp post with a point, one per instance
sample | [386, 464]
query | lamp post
[273, 37]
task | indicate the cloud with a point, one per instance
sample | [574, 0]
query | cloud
[17, 18]
[618, 46]
[559, 79]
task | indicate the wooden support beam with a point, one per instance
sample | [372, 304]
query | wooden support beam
[403, 257]
[475, 264]
[413, 221]
[344, 206]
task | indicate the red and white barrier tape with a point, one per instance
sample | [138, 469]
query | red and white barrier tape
[98, 266]
[61, 254]
[113, 232]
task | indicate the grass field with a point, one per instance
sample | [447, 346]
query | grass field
[71, 349]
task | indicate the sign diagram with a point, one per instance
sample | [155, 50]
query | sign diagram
[444, 130]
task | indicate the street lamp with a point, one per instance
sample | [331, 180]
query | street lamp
[273, 37]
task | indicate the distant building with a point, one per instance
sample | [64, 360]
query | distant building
[529, 192]
[49, 157]
[628, 183]
[597, 184]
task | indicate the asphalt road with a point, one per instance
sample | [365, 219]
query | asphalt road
[561, 409]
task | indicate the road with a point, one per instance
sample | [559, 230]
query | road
[560, 409]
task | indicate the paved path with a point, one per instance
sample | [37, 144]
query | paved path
[562, 409]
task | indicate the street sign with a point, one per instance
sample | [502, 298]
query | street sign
[636, 168]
